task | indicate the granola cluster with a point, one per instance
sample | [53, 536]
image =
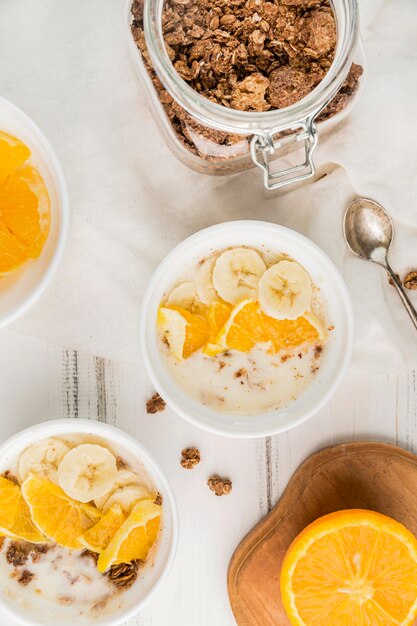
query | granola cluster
[220, 486]
[410, 281]
[190, 458]
[249, 55]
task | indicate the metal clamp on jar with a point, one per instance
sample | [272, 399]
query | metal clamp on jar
[222, 140]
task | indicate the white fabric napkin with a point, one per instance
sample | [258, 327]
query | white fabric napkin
[132, 201]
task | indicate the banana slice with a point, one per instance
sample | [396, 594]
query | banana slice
[185, 296]
[42, 458]
[285, 290]
[204, 281]
[123, 477]
[126, 497]
[87, 472]
[236, 274]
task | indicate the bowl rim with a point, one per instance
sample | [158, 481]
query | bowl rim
[190, 242]
[60, 427]
[62, 239]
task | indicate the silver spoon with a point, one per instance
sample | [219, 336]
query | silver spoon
[368, 231]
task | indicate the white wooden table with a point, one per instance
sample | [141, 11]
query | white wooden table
[40, 381]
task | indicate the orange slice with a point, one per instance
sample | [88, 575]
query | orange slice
[217, 315]
[15, 520]
[99, 536]
[185, 332]
[244, 328]
[288, 334]
[351, 568]
[248, 326]
[13, 153]
[55, 514]
[135, 537]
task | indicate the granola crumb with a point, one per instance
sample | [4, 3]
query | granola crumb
[7, 474]
[89, 554]
[158, 500]
[285, 357]
[220, 486]
[190, 458]
[410, 281]
[318, 350]
[222, 364]
[25, 577]
[156, 404]
[66, 600]
[241, 372]
[120, 463]
[123, 575]
[18, 553]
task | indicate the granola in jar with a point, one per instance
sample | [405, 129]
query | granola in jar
[247, 55]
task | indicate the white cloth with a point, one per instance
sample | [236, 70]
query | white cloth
[67, 65]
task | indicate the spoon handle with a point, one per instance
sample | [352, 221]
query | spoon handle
[401, 292]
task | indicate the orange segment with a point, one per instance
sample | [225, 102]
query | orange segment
[135, 537]
[288, 334]
[55, 514]
[185, 332]
[12, 253]
[217, 315]
[351, 568]
[13, 153]
[15, 519]
[99, 536]
[245, 327]
[25, 208]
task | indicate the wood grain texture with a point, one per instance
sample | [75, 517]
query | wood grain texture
[363, 475]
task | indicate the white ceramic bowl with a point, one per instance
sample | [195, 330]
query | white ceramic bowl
[20, 289]
[324, 274]
[152, 575]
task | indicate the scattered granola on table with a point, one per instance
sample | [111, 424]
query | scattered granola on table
[156, 404]
[410, 281]
[249, 55]
[190, 458]
[220, 486]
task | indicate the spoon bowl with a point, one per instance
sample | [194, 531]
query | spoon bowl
[368, 230]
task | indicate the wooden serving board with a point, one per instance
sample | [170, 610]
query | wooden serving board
[362, 475]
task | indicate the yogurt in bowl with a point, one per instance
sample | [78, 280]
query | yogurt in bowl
[247, 328]
[90, 525]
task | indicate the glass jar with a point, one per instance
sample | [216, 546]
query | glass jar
[216, 139]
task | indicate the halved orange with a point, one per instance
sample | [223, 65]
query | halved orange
[135, 537]
[15, 519]
[217, 315]
[55, 514]
[99, 536]
[351, 568]
[185, 332]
